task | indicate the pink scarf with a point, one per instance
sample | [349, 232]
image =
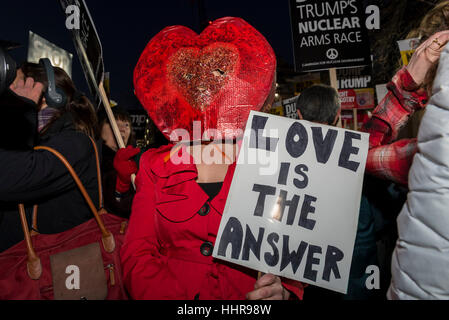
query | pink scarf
[44, 116]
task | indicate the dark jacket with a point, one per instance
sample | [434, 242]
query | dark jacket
[19, 122]
[38, 177]
[376, 236]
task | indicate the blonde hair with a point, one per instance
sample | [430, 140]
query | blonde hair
[437, 19]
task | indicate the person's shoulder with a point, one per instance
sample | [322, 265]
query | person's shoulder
[74, 145]
[155, 157]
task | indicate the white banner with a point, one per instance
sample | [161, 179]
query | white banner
[298, 220]
[39, 47]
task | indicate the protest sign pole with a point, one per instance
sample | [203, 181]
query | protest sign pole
[334, 84]
[102, 93]
[354, 114]
[333, 78]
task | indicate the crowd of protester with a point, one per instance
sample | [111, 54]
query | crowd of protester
[174, 210]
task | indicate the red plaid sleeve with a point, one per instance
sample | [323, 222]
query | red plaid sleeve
[392, 161]
[387, 158]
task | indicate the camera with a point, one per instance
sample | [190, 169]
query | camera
[8, 67]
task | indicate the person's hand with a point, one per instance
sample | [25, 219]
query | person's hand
[426, 55]
[125, 167]
[268, 287]
[28, 89]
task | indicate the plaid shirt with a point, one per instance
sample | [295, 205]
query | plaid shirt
[387, 158]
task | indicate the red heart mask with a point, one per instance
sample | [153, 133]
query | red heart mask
[209, 81]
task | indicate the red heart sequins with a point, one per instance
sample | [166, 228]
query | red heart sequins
[200, 74]
[215, 78]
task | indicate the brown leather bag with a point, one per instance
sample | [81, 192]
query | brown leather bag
[80, 263]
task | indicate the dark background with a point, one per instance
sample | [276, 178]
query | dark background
[125, 27]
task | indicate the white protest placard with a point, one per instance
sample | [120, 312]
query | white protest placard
[381, 91]
[39, 47]
[407, 47]
[294, 211]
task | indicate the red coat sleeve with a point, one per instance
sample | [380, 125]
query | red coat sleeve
[296, 288]
[144, 268]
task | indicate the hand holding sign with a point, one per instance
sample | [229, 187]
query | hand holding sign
[268, 287]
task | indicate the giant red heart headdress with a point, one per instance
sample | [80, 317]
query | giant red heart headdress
[215, 78]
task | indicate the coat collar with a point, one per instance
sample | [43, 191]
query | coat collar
[63, 123]
[174, 167]
[177, 188]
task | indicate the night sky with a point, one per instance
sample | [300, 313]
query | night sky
[125, 27]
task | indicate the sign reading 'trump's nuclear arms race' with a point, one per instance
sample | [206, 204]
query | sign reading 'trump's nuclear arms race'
[329, 34]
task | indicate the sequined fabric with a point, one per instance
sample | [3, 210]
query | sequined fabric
[215, 78]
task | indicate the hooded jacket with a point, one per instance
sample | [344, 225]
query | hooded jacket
[420, 260]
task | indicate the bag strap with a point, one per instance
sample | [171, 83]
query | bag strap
[107, 237]
[97, 161]
[34, 266]
[34, 228]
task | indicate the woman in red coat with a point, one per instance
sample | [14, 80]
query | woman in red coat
[208, 82]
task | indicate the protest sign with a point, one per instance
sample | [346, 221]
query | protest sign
[353, 120]
[290, 108]
[90, 54]
[329, 34]
[298, 220]
[286, 108]
[88, 46]
[39, 47]
[355, 88]
[381, 91]
[407, 47]
[277, 109]
[357, 98]
[139, 122]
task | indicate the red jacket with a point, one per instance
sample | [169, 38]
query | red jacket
[162, 256]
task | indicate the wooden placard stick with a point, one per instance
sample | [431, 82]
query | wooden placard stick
[102, 93]
[110, 114]
[334, 84]
[354, 113]
[333, 78]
